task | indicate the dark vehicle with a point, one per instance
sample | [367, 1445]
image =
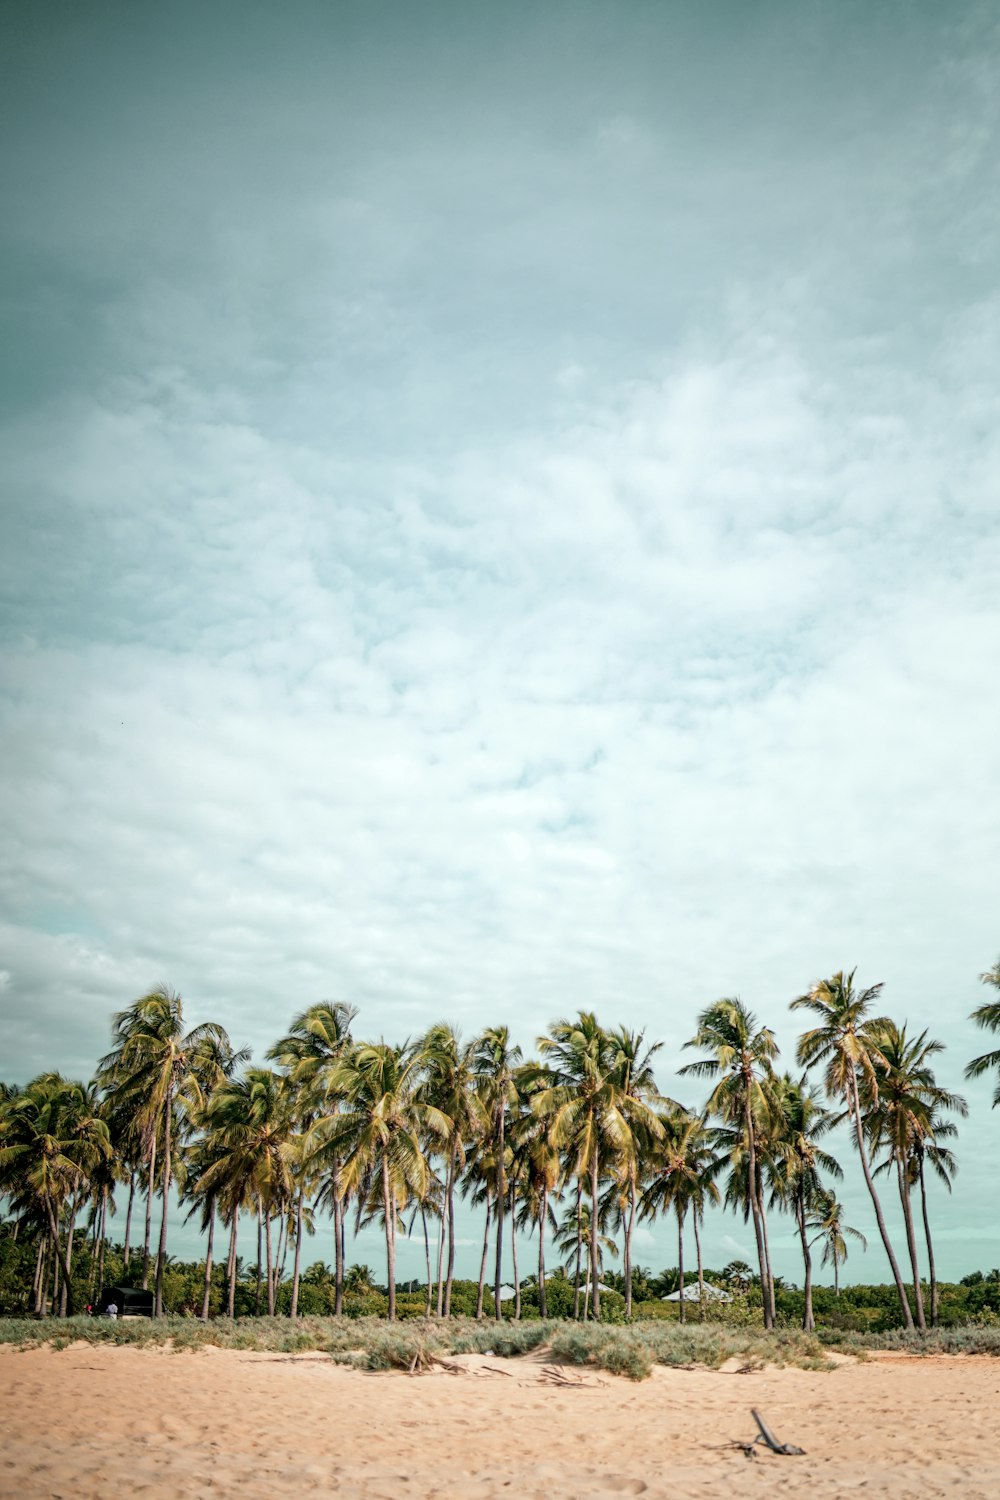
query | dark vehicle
[131, 1302]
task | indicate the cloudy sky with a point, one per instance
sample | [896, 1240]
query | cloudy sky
[500, 516]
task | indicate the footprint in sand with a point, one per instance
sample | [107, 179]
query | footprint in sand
[620, 1484]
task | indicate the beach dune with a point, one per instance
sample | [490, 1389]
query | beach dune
[90, 1421]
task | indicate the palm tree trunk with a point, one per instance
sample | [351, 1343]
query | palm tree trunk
[451, 1232]
[161, 1254]
[755, 1205]
[104, 1243]
[207, 1288]
[680, 1257]
[911, 1240]
[389, 1206]
[260, 1260]
[69, 1262]
[594, 1216]
[61, 1261]
[482, 1264]
[767, 1255]
[513, 1255]
[231, 1268]
[501, 1197]
[628, 1242]
[338, 1254]
[701, 1269]
[150, 1181]
[904, 1302]
[270, 1262]
[808, 1322]
[930, 1246]
[427, 1257]
[543, 1311]
[293, 1310]
[36, 1284]
[579, 1248]
[128, 1216]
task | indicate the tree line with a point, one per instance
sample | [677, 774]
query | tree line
[576, 1145]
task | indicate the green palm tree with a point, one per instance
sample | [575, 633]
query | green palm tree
[316, 1042]
[52, 1140]
[635, 1080]
[538, 1167]
[929, 1147]
[376, 1135]
[682, 1169]
[594, 1117]
[494, 1061]
[156, 1064]
[899, 1116]
[988, 1017]
[740, 1057]
[448, 1084]
[826, 1216]
[251, 1121]
[796, 1161]
[846, 1041]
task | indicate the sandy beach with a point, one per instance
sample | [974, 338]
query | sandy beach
[91, 1421]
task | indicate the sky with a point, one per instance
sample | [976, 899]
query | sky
[501, 516]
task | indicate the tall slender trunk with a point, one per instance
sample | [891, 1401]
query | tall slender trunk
[43, 1277]
[103, 1244]
[701, 1268]
[904, 1302]
[128, 1216]
[389, 1206]
[513, 1254]
[579, 1248]
[755, 1205]
[930, 1246]
[439, 1284]
[64, 1298]
[231, 1268]
[293, 1310]
[836, 1277]
[207, 1288]
[451, 1234]
[482, 1263]
[630, 1225]
[903, 1183]
[767, 1254]
[161, 1254]
[260, 1260]
[338, 1254]
[808, 1322]
[338, 1242]
[342, 1242]
[270, 1262]
[427, 1257]
[594, 1216]
[543, 1310]
[36, 1284]
[501, 1197]
[680, 1258]
[60, 1260]
[150, 1189]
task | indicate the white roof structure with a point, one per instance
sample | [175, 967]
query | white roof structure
[507, 1293]
[691, 1294]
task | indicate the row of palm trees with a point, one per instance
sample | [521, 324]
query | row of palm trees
[577, 1143]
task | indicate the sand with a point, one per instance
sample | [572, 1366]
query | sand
[93, 1421]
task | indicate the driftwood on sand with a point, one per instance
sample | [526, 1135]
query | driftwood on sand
[767, 1437]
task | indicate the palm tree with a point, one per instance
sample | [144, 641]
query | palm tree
[637, 1085]
[846, 1040]
[494, 1061]
[539, 1168]
[376, 1137]
[52, 1139]
[928, 1148]
[796, 1161]
[683, 1170]
[154, 1063]
[740, 1056]
[826, 1216]
[316, 1042]
[595, 1106]
[447, 1084]
[899, 1118]
[988, 1017]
